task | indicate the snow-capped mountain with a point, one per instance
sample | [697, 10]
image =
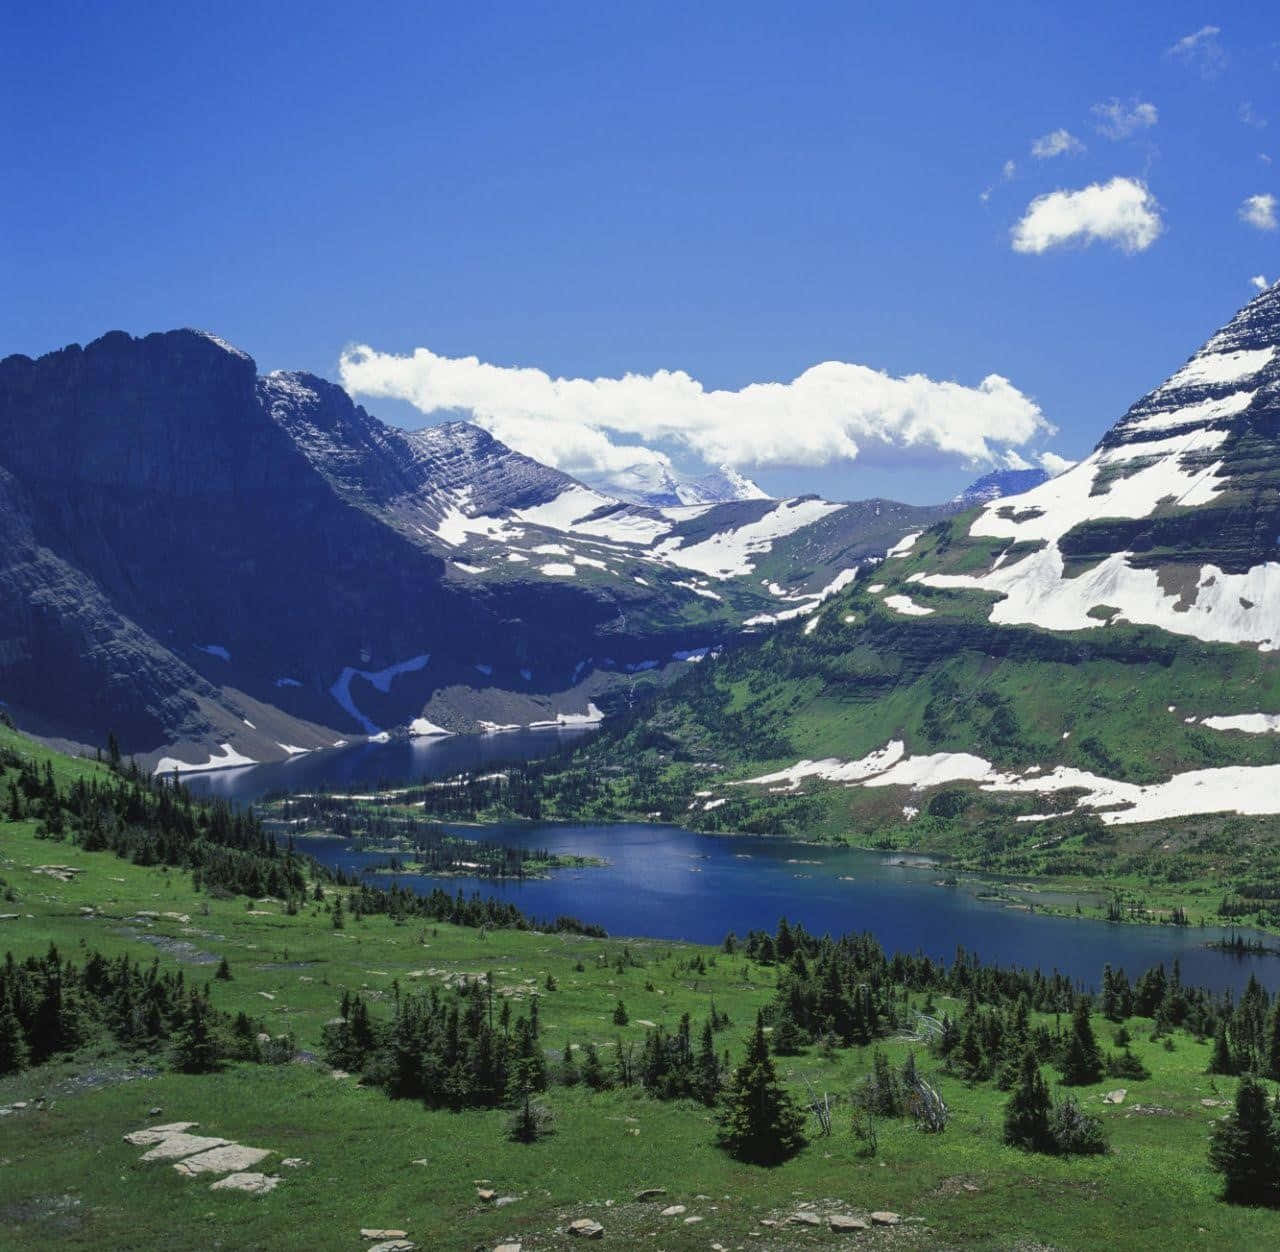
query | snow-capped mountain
[1173, 520]
[658, 486]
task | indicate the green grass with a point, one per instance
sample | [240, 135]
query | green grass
[68, 1180]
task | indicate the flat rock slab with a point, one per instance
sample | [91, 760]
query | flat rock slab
[585, 1228]
[841, 1223]
[174, 1147]
[885, 1219]
[651, 1193]
[509, 1247]
[1115, 1097]
[674, 1210]
[376, 1232]
[254, 1184]
[393, 1245]
[232, 1158]
[157, 1134]
[503, 1200]
[805, 1219]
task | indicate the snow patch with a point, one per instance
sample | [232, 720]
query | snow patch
[381, 681]
[225, 758]
[907, 606]
[558, 569]
[420, 728]
[214, 649]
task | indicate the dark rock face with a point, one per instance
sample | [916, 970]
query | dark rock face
[1001, 483]
[159, 499]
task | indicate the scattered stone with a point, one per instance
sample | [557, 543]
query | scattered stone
[156, 1134]
[689, 1221]
[503, 1200]
[805, 1219]
[18, 1104]
[509, 1247]
[486, 1194]
[674, 1210]
[650, 1193]
[585, 1228]
[1207, 1102]
[393, 1245]
[233, 1158]
[254, 1184]
[294, 1162]
[884, 1218]
[339, 1073]
[376, 1232]
[842, 1223]
[155, 1112]
[174, 1147]
[421, 1160]
[644, 1021]
[1115, 1097]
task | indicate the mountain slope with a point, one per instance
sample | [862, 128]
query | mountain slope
[220, 567]
[1097, 652]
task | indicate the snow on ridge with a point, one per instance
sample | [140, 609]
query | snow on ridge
[1191, 414]
[1216, 368]
[571, 505]
[592, 717]
[213, 649]
[229, 759]
[725, 554]
[1250, 790]
[1249, 723]
[906, 606]
[905, 544]
[558, 569]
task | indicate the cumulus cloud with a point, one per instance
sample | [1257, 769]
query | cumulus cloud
[1056, 143]
[1118, 120]
[1260, 212]
[1201, 49]
[1260, 282]
[832, 412]
[1122, 212]
[1008, 170]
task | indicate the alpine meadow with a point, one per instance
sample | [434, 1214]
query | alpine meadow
[594, 647]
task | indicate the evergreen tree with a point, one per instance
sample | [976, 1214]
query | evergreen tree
[760, 1122]
[195, 1047]
[224, 970]
[706, 1079]
[1222, 1061]
[1082, 1060]
[620, 1017]
[593, 1074]
[13, 1042]
[1245, 1149]
[1272, 1058]
[1026, 1116]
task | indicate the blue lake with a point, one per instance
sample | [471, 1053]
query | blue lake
[665, 882]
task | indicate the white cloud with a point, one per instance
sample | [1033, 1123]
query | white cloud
[1118, 120]
[1056, 143]
[1260, 282]
[1122, 212]
[1008, 170]
[1053, 463]
[1201, 49]
[1260, 211]
[832, 412]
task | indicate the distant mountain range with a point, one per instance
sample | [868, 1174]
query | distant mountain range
[219, 567]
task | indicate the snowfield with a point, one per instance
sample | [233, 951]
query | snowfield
[225, 758]
[1244, 789]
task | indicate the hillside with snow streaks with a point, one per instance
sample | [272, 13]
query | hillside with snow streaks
[1173, 521]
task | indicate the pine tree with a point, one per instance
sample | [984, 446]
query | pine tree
[1221, 1062]
[706, 1079]
[13, 1043]
[760, 1122]
[620, 1017]
[1082, 1060]
[1272, 1058]
[195, 1049]
[1026, 1116]
[224, 970]
[1245, 1149]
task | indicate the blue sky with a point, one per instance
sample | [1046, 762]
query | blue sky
[737, 191]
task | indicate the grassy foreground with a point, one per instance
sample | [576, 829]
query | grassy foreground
[68, 1180]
